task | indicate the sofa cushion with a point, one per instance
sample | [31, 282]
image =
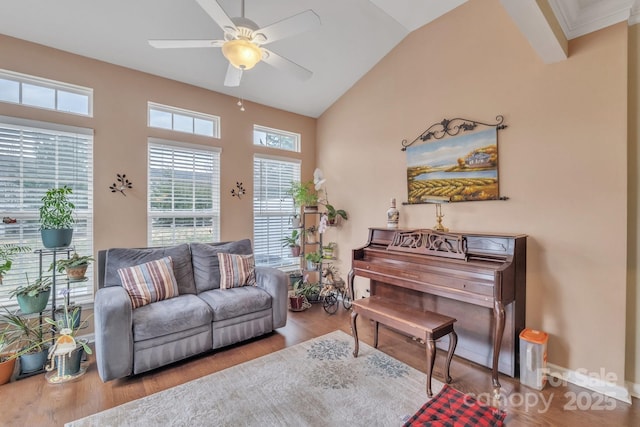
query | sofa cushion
[170, 316]
[149, 282]
[236, 270]
[230, 303]
[206, 268]
[126, 257]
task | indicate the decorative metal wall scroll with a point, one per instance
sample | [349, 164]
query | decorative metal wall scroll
[451, 127]
[429, 242]
[238, 191]
[122, 184]
[461, 168]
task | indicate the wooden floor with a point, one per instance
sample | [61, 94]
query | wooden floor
[33, 402]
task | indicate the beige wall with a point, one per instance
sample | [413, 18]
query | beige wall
[120, 142]
[563, 162]
[633, 296]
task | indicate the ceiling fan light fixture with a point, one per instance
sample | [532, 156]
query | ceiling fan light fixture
[241, 53]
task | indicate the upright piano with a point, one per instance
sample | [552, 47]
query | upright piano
[480, 279]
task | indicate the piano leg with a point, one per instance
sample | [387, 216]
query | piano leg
[354, 332]
[498, 312]
[453, 342]
[431, 359]
[375, 334]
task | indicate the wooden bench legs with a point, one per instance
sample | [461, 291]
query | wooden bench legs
[426, 326]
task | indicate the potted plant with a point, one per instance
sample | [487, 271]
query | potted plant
[75, 267]
[33, 297]
[292, 242]
[313, 260]
[31, 340]
[67, 351]
[7, 252]
[328, 250]
[304, 194]
[56, 218]
[303, 292]
[333, 214]
[7, 358]
[310, 234]
[295, 220]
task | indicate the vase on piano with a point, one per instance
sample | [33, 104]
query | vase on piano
[393, 215]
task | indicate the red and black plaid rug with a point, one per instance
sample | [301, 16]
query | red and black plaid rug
[451, 408]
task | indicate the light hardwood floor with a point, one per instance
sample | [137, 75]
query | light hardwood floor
[34, 402]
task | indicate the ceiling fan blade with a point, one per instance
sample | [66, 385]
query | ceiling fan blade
[304, 21]
[232, 79]
[217, 13]
[283, 63]
[171, 44]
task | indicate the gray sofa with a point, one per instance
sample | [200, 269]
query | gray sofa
[203, 317]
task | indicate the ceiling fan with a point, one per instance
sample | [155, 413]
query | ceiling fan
[243, 41]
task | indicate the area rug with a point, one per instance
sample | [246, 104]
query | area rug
[315, 383]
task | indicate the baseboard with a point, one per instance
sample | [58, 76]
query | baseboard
[590, 382]
[634, 389]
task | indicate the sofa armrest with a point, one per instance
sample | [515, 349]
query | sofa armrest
[113, 333]
[276, 283]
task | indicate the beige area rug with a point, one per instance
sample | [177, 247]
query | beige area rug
[315, 383]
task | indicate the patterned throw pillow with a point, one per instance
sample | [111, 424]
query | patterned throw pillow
[236, 270]
[149, 282]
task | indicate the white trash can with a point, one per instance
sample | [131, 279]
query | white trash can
[533, 358]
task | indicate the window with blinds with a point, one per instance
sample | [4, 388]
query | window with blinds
[34, 157]
[272, 209]
[184, 193]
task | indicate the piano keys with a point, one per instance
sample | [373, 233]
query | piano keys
[479, 279]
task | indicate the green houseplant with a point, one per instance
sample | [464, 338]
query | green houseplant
[333, 214]
[7, 252]
[67, 326]
[56, 217]
[30, 338]
[292, 242]
[33, 297]
[75, 267]
[304, 194]
[7, 358]
[313, 260]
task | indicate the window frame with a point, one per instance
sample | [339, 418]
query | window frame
[297, 137]
[193, 115]
[287, 209]
[27, 217]
[55, 85]
[176, 214]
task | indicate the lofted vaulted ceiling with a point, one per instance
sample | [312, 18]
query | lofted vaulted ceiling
[354, 35]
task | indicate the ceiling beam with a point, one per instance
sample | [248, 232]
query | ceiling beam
[538, 24]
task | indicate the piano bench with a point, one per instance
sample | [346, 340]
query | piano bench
[425, 325]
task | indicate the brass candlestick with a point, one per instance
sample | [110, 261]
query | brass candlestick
[439, 216]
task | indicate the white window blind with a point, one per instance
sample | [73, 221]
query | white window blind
[34, 157]
[184, 193]
[272, 209]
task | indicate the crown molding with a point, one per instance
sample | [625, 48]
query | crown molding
[635, 14]
[580, 17]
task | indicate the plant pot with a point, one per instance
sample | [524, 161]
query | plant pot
[77, 274]
[6, 370]
[295, 251]
[56, 238]
[33, 362]
[293, 278]
[70, 363]
[296, 302]
[35, 304]
[312, 266]
[76, 321]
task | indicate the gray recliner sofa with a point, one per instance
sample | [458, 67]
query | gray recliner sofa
[203, 317]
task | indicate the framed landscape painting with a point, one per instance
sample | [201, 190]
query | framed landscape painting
[461, 168]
